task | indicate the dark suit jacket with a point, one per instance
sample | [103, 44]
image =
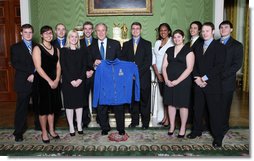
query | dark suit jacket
[22, 62]
[211, 64]
[87, 48]
[83, 42]
[198, 41]
[56, 44]
[113, 50]
[143, 59]
[233, 63]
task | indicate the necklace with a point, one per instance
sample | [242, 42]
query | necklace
[47, 47]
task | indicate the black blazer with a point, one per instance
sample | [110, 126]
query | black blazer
[22, 62]
[143, 59]
[233, 63]
[83, 42]
[198, 41]
[211, 64]
[113, 50]
[56, 44]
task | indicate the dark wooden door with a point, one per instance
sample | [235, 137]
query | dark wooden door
[9, 34]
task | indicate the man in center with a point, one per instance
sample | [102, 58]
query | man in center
[103, 49]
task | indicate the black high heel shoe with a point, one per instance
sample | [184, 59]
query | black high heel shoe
[165, 125]
[160, 123]
[45, 141]
[55, 137]
[80, 132]
[180, 136]
[171, 133]
[72, 134]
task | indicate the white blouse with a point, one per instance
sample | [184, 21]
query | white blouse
[158, 54]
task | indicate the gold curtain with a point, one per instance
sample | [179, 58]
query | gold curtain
[246, 51]
[231, 15]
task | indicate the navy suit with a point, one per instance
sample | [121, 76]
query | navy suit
[211, 64]
[22, 62]
[233, 63]
[143, 59]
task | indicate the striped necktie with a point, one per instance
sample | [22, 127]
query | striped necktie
[29, 47]
[135, 47]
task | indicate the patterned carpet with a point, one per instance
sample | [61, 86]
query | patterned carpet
[137, 142]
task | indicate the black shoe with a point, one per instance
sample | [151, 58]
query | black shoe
[45, 141]
[104, 132]
[80, 132]
[19, 138]
[145, 127]
[132, 125]
[160, 123]
[121, 132]
[55, 137]
[72, 134]
[85, 126]
[193, 136]
[171, 133]
[180, 136]
[217, 144]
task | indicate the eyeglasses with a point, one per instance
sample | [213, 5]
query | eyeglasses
[48, 33]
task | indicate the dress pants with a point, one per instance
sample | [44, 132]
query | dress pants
[143, 107]
[226, 106]
[86, 117]
[104, 119]
[212, 102]
[21, 112]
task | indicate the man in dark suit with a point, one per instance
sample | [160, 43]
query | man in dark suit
[60, 31]
[139, 51]
[233, 63]
[208, 68]
[104, 49]
[21, 60]
[59, 42]
[86, 43]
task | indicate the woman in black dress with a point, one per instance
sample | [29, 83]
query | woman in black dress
[73, 64]
[46, 61]
[177, 67]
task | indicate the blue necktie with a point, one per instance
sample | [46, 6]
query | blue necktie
[102, 50]
[29, 46]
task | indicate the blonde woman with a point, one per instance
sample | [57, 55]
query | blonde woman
[73, 63]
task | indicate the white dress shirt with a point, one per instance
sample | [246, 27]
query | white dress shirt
[158, 54]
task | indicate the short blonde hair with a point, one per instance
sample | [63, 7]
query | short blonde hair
[68, 38]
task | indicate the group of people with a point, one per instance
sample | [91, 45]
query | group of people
[199, 74]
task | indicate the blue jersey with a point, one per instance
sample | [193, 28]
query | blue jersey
[113, 83]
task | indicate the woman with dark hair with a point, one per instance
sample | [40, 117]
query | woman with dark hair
[177, 67]
[161, 45]
[46, 61]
